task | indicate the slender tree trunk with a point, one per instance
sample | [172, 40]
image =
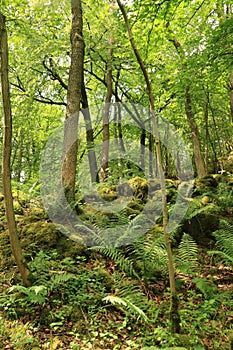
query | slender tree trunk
[6, 155]
[74, 93]
[89, 137]
[118, 114]
[207, 135]
[174, 313]
[199, 161]
[198, 157]
[106, 132]
[142, 148]
[230, 91]
[151, 155]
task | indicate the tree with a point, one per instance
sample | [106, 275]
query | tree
[74, 94]
[199, 159]
[105, 117]
[6, 155]
[174, 313]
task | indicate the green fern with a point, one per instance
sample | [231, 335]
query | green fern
[149, 255]
[128, 305]
[59, 279]
[224, 242]
[206, 287]
[119, 258]
[34, 294]
[188, 252]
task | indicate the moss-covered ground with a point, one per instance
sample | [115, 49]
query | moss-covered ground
[67, 306]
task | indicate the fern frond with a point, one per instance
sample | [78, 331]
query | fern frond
[58, 279]
[187, 253]
[34, 294]
[223, 255]
[119, 258]
[206, 287]
[128, 305]
[224, 242]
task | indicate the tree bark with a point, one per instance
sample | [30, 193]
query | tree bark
[74, 93]
[6, 155]
[198, 157]
[174, 313]
[230, 91]
[89, 136]
[199, 161]
[106, 132]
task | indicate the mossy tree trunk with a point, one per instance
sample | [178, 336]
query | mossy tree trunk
[105, 116]
[74, 94]
[174, 310]
[6, 154]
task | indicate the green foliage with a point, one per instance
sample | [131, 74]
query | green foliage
[34, 294]
[187, 255]
[119, 258]
[56, 285]
[126, 303]
[206, 287]
[224, 242]
[19, 335]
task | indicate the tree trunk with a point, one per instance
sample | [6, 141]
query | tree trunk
[142, 148]
[73, 102]
[174, 313]
[89, 137]
[6, 154]
[199, 161]
[198, 158]
[106, 132]
[230, 91]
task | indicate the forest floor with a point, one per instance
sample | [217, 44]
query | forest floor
[65, 307]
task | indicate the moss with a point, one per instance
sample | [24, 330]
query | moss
[67, 247]
[132, 212]
[40, 232]
[201, 226]
[39, 213]
[139, 186]
[108, 193]
[205, 183]
[6, 257]
[105, 278]
[205, 200]
[136, 205]
[18, 209]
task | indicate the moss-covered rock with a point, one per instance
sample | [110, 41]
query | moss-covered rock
[134, 207]
[205, 184]
[201, 226]
[108, 193]
[139, 187]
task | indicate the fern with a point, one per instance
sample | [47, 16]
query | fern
[34, 294]
[119, 258]
[187, 254]
[149, 255]
[206, 287]
[224, 242]
[196, 207]
[58, 279]
[128, 305]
